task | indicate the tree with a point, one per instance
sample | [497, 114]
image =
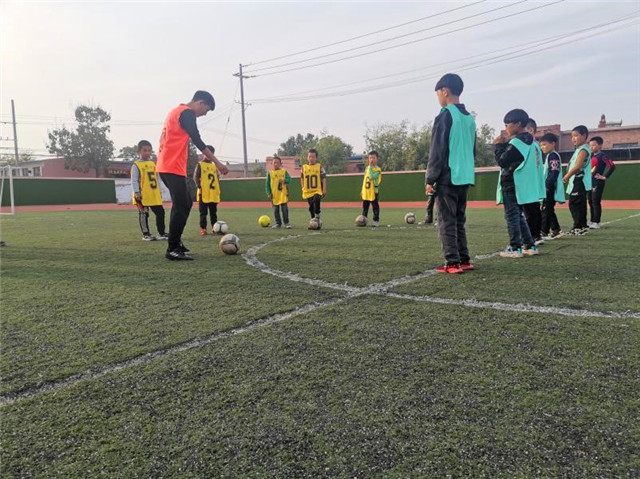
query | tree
[259, 170]
[399, 146]
[22, 158]
[296, 145]
[130, 153]
[402, 147]
[88, 146]
[484, 148]
[333, 153]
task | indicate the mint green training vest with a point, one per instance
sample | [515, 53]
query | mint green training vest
[558, 195]
[462, 140]
[526, 175]
[586, 168]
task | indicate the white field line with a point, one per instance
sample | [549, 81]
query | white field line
[351, 292]
[145, 358]
[518, 307]
[619, 219]
[382, 288]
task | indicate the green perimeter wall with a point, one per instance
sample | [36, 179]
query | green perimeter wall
[57, 191]
[409, 186]
[623, 185]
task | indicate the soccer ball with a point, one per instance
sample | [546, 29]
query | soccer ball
[361, 220]
[410, 218]
[221, 228]
[264, 221]
[315, 224]
[230, 244]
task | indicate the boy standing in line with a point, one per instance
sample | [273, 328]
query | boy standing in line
[532, 211]
[370, 185]
[146, 192]
[206, 179]
[452, 166]
[277, 188]
[599, 163]
[553, 186]
[578, 180]
[314, 183]
[517, 185]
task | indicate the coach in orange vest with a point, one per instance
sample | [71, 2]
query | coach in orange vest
[180, 127]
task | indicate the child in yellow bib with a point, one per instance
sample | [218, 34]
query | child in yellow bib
[314, 183]
[146, 192]
[277, 189]
[370, 185]
[208, 193]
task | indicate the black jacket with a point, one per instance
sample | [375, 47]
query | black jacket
[509, 158]
[438, 170]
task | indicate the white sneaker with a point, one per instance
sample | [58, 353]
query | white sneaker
[511, 253]
[539, 242]
[287, 226]
[374, 224]
[594, 226]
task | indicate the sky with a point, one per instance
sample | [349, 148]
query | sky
[138, 60]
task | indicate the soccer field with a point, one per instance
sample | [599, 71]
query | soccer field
[336, 353]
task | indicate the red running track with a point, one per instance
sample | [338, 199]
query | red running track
[417, 205]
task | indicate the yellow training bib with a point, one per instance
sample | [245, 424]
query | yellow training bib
[368, 192]
[312, 180]
[279, 189]
[209, 187]
[149, 187]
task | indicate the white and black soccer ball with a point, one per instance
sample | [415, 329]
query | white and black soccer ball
[220, 228]
[315, 224]
[361, 220]
[410, 218]
[230, 244]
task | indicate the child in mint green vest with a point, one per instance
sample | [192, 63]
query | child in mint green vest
[578, 180]
[452, 167]
[532, 211]
[518, 182]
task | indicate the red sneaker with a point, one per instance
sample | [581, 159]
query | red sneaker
[203, 232]
[466, 266]
[450, 269]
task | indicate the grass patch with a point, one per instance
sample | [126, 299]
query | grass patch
[373, 386]
[378, 387]
[93, 293]
[594, 272]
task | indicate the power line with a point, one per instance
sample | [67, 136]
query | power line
[235, 135]
[364, 35]
[470, 66]
[414, 41]
[386, 40]
[527, 45]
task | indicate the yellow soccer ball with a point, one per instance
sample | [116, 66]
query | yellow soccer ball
[264, 221]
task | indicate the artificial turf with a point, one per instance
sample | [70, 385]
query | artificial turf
[371, 387]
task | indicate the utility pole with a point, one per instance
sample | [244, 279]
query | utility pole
[244, 126]
[15, 132]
